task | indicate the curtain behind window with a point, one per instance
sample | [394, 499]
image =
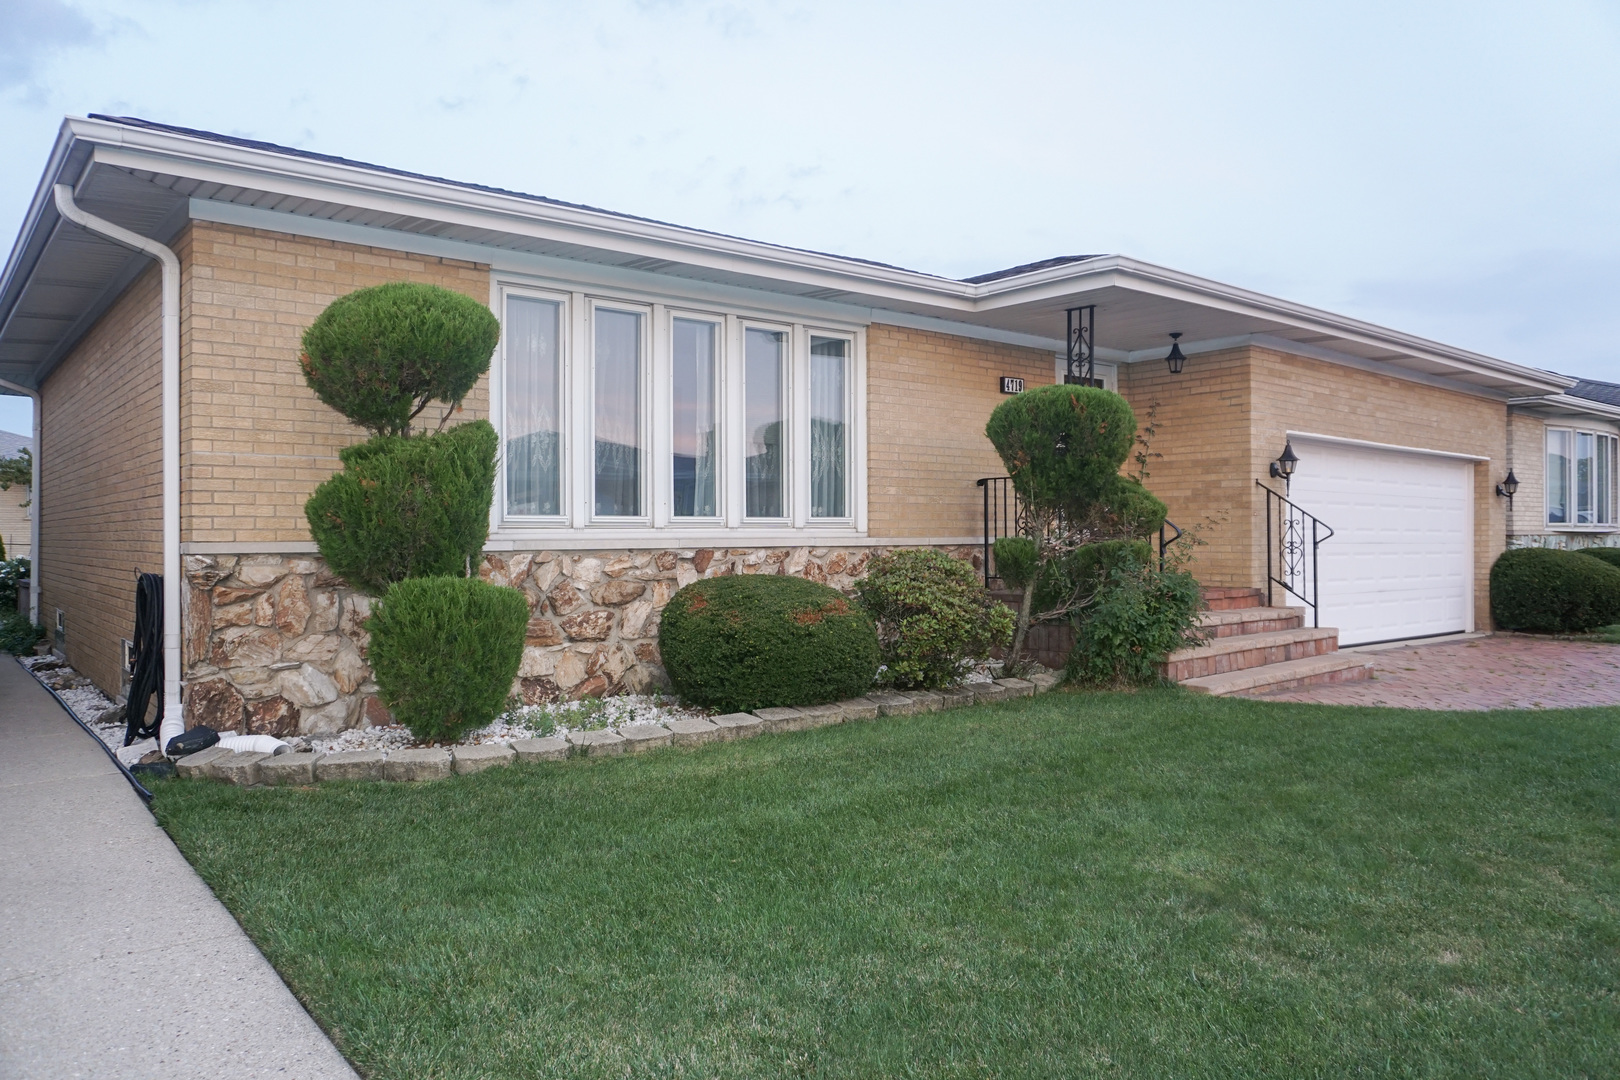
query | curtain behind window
[534, 437]
[828, 441]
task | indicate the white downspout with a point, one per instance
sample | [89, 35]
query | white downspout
[33, 516]
[173, 722]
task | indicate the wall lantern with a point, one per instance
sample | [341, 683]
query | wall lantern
[1177, 359]
[1061, 447]
[1283, 468]
[1508, 488]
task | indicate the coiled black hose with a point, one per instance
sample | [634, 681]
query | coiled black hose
[146, 681]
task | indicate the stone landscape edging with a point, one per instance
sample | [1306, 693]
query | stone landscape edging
[305, 767]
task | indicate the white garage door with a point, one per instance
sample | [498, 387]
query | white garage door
[1401, 561]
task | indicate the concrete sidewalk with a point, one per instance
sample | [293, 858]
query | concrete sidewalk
[115, 959]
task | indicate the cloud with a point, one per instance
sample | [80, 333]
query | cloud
[33, 29]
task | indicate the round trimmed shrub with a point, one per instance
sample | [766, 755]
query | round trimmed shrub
[380, 355]
[753, 642]
[444, 652]
[1063, 445]
[1549, 592]
[1607, 554]
[932, 614]
[413, 506]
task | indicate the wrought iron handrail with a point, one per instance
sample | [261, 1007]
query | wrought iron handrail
[1001, 519]
[1293, 536]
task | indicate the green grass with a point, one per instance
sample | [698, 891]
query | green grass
[1076, 885]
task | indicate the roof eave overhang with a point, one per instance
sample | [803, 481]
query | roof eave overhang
[143, 149]
[1552, 405]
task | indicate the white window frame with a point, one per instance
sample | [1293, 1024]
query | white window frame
[1574, 434]
[645, 419]
[848, 520]
[579, 526]
[497, 407]
[792, 383]
[722, 439]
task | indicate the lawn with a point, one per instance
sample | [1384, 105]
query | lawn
[1077, 885]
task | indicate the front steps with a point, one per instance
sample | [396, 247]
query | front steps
[1253, 649]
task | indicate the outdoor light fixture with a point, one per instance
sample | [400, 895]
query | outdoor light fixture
[1508, 488]
[1177, 359]
[1061, 447]
[1283, 468]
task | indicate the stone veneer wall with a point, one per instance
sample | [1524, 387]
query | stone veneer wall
[276, 644]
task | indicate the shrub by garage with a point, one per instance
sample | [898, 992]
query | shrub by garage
[753, 642]
[1544, 591]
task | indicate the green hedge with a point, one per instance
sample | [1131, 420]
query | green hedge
[1141, 615]
[932, 616]
[1549, 592]
[1607, 554]
[18, 636]
[444, 652]
[416, 506]
[744, 643]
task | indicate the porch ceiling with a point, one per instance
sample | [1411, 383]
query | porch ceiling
[59, 279]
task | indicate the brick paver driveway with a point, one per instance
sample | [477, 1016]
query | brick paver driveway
[1502, 671]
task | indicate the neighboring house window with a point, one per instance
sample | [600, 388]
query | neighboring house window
[619, 414]
[1580, 478]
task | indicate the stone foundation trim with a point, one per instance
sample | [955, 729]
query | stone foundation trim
[434, 763]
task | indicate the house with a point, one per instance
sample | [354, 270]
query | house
[674, 403]
[1562, 450]
[15, 513]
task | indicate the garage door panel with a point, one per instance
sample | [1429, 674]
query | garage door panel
[1400, 562]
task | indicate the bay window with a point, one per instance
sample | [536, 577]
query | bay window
[623, 414]
[1580, 478]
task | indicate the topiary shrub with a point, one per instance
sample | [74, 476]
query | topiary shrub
[1140, 615]
[932, 615]
[381, 355]
[1607, 554]
[744, 643]
[444, 652]
[1549, 592]
[1063, 445]
[412, 506]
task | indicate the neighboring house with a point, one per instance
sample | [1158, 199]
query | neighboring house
[672, 403]
[1562, 451]
[15, 513]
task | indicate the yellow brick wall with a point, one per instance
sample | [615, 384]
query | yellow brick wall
[1528, 456]
[256, 439]
[101, 498]
[928, 397]
[1295, 393]
[1202, 419]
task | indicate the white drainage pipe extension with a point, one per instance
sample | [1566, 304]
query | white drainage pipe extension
[173, 723]
[33, 509]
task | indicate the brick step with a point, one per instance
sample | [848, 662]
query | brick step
[1330, 667]
[1242, 651]
[1222, 598]
[1254, 620]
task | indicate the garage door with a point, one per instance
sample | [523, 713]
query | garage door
[1401, 561]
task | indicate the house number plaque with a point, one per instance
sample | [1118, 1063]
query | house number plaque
[1012, 384]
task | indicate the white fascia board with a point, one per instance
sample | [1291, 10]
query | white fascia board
[1565, 404]
[223, 163]
[554, 271]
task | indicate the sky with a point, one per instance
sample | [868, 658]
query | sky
[1444, 169]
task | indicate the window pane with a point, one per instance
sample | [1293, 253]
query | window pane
[618, 413]
[828, 358]
[1603, 481]
[1583, 478]
[764, 356]
[533, 406]
[1558, 448]
[693, 434]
